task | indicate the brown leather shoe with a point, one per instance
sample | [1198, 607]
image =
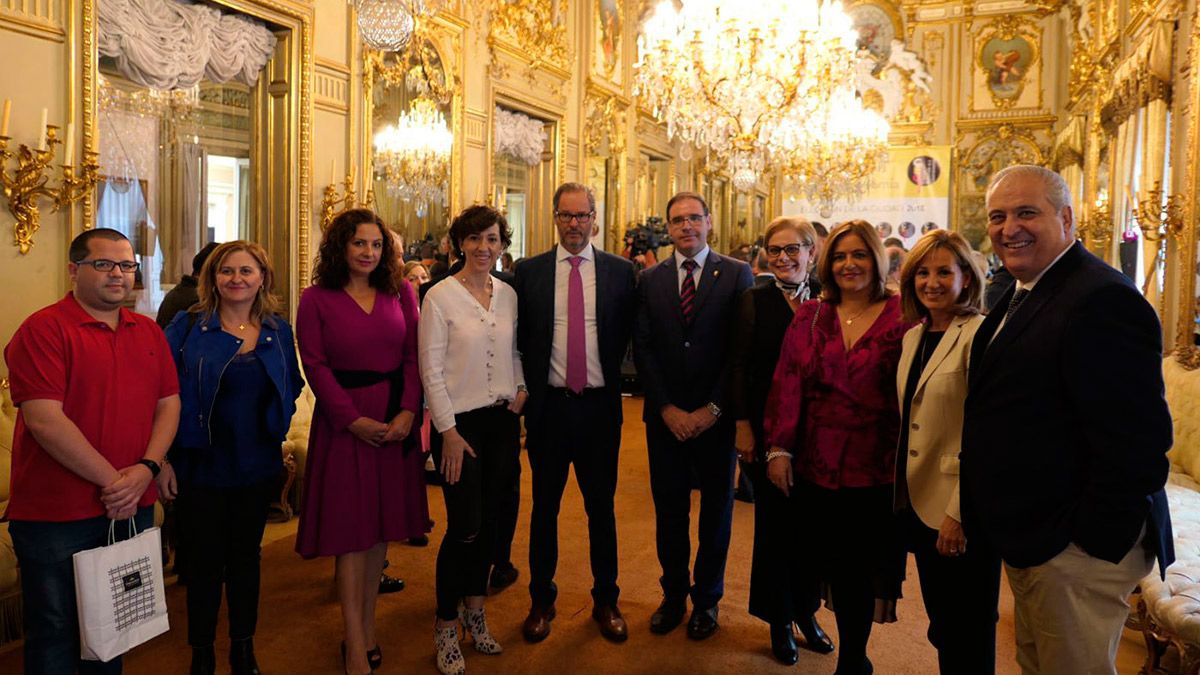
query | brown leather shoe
[612, 624]
[537, 624]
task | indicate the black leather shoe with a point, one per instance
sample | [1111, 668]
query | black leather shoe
[815, 639]
[783, 644]
[390, 584]
[703, 623]
[502, 578]
[241, 657]
[419, 540]
[612, 624]
[668, 615]
[204, 661]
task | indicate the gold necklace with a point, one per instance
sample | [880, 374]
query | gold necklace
[487, 285]
[851, 319]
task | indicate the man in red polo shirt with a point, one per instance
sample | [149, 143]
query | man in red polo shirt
[98, 405]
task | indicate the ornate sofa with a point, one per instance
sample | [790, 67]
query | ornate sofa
[1168, 612]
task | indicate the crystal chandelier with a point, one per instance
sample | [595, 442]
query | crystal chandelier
[744, 78]
[835, 152]
[414, 155]
[387, 25]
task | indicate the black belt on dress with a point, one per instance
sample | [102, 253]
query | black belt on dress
[357, 379]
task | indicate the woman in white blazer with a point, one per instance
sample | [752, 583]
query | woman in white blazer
[941, 287]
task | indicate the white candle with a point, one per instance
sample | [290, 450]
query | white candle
[332, 173]
[42, 132]
[69, 155]
[4, 117]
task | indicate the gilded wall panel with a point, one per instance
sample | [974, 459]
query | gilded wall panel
[44, 19]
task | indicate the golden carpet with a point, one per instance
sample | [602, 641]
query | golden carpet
[300, 624]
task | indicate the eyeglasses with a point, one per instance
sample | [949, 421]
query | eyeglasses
[792, 250]
[564, 217]
[102, 265]
[693, 218]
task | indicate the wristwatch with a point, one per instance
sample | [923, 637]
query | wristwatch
[714, 409]
[152, 465]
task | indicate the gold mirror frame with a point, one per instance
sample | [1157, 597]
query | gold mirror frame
[281, 139]
[1186, 250]
[445, 34]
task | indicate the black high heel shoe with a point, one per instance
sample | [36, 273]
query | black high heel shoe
[815, 639]
[375, 657]
[783, 644]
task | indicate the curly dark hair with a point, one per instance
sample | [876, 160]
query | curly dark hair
[332, 271]
[476, 219]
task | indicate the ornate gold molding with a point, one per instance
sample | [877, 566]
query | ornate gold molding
[604, 121]
[1190, 189]
[536, 28]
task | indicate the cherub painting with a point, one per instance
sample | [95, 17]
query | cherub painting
[1006, 63]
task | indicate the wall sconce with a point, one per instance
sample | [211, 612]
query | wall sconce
[1158, 217]
[29, 183]
[331, 205]
[1097, 226]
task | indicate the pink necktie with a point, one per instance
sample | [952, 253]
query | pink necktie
[576, 335]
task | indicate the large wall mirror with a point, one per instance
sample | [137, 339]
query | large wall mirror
[196, 114]
[410, 111]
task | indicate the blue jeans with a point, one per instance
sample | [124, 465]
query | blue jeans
[44, 551]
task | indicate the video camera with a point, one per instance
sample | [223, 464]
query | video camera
[647, 236]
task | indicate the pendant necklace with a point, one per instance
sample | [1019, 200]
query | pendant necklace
[851, 319]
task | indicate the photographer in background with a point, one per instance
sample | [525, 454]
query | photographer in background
[643, 241]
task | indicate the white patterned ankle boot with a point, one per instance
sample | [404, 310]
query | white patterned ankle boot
[450, 659]
[476, 625]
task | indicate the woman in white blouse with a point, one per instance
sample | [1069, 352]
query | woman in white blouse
[475, 390]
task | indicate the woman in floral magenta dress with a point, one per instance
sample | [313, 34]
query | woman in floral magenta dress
[832, 423]
[363, 484]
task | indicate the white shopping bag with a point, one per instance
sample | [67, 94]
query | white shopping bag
[119, 590]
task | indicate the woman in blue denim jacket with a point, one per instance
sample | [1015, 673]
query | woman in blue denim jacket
[239, 379]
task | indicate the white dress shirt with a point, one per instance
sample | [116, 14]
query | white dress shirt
[700, 259]
[468, 354]
[1022, 286]
[558, 348]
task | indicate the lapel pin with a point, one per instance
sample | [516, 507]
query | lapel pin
[716, 273]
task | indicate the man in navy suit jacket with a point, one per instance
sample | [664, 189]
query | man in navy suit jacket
[1065, 433]
[573, 415]
[686, 308]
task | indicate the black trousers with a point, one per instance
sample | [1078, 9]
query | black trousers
[223, 528]
[473, 503]
[961, 594]
[712, 458]
[506, 524]
[580, 430]
[784, 584]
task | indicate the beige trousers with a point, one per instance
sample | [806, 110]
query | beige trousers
[1070, 610]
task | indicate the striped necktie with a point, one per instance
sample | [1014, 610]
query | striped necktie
[687, 292]
[1015, 303]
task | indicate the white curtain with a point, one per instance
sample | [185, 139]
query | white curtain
[192, 187]
[164, 44]
[519, 136]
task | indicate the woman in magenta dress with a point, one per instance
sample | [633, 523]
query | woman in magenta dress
[832, 422]
[363, 485]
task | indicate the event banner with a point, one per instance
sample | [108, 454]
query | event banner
[908, 196]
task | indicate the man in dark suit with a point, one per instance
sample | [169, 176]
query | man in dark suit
[686, 307]
[1065, 432]
[575, 305]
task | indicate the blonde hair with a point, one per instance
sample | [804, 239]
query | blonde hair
[265, 302]
[830, 292]
[969, 301]
[808, 235]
